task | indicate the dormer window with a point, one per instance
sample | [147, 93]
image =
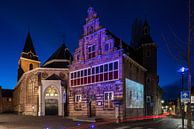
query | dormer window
[91, 51]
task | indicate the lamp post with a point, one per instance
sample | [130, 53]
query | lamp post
[182, 70]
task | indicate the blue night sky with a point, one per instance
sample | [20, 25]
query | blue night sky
[52, 21]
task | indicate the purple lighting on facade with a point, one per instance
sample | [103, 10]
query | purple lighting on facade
[92, 126]
[78, 124]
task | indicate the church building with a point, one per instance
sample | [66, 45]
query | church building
[42, 90]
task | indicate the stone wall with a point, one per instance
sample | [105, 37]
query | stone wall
[26, 93]
[133, 71]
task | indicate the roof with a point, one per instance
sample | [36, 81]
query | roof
[120, 44]
[29, 48]
[61, 58]
[53, 77]
[7, 93]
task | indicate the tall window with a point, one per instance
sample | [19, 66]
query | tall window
[78, 100]
[78, 57]
[31, 67]
[91, 51]
[30, 90]
[98, 73]
[106, 47]
[108, 97]
[90, 29]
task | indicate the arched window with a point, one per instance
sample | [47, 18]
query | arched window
[90, 29]
[51, 91]
[31, 67]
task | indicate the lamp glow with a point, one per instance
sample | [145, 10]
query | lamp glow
[182, 70]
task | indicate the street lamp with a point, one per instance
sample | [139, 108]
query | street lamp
[182, 70]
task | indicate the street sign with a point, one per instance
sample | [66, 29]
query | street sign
[185, 96]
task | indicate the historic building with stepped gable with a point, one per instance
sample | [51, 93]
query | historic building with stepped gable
[109, 78]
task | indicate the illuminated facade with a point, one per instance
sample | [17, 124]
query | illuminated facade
[42, 90]
[108, 78]
[101, 64]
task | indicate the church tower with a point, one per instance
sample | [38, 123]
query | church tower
[28, 59]
[149, 61]
[146, 52]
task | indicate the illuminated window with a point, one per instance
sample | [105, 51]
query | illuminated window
[108, 97]
[78, 98]
[51, 91]
[91, 51]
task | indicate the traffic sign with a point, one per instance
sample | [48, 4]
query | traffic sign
[185, 96]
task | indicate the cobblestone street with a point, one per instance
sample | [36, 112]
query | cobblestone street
[11, 121]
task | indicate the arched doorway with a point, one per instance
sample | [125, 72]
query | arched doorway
[51, 101]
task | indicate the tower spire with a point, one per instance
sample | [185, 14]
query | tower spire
[29, 59]
[28, 50]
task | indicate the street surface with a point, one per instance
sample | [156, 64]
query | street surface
[11, 121]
